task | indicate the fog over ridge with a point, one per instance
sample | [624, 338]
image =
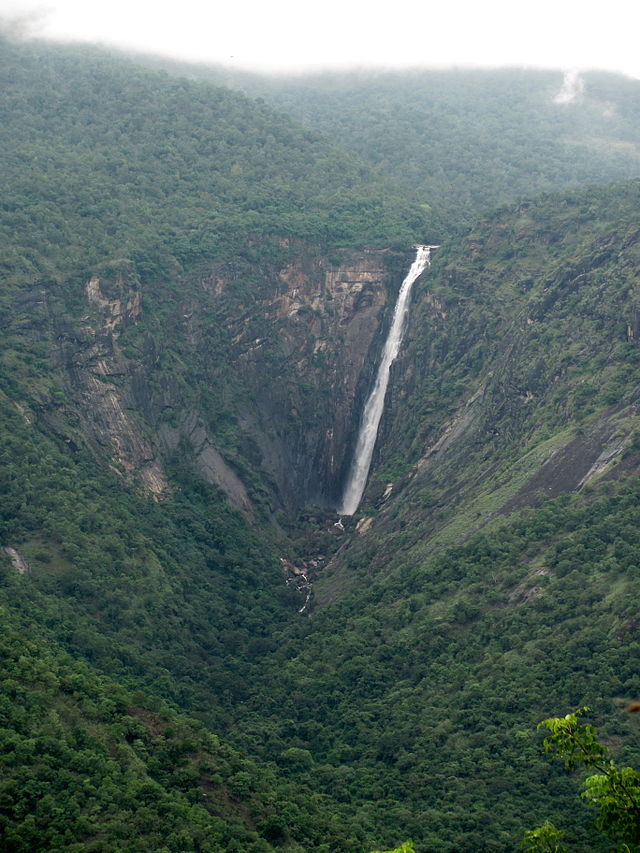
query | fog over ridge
[277, 37]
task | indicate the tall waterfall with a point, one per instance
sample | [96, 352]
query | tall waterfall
[374, 406]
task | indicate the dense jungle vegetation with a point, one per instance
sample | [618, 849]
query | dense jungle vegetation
[161, 689]
[105, 160]
[467, 140]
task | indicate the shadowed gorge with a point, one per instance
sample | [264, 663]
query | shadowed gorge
[196, 292]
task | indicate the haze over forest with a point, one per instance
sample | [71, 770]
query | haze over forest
[198, 274]
[278, 38]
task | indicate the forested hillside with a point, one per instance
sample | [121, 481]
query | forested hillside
[195, 290]
[464, 141]
[104, 160]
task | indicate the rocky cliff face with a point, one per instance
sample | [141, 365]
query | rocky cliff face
[275, 351]
[105, 382]
[309, 366]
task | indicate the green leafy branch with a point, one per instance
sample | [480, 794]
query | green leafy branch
[615, 791]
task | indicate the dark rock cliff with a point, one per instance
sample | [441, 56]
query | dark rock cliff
[310, 367]
[253, 370]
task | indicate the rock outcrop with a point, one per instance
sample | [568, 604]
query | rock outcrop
[18, 561]
[101, 385]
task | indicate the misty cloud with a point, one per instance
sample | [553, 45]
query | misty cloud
[572, 88]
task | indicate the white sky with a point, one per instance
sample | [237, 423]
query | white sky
[289, 34]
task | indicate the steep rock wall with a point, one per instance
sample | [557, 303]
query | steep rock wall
[304, 350]
[253, 369]
[101, 388]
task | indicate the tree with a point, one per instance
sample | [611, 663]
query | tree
[615, 791]
[544, 839]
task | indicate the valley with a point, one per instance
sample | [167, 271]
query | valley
[203, 648]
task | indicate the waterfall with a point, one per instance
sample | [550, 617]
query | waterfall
[374, 406]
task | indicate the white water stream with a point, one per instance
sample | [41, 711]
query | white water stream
[374, 406]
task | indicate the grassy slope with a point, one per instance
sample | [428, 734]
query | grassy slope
[424, 686]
